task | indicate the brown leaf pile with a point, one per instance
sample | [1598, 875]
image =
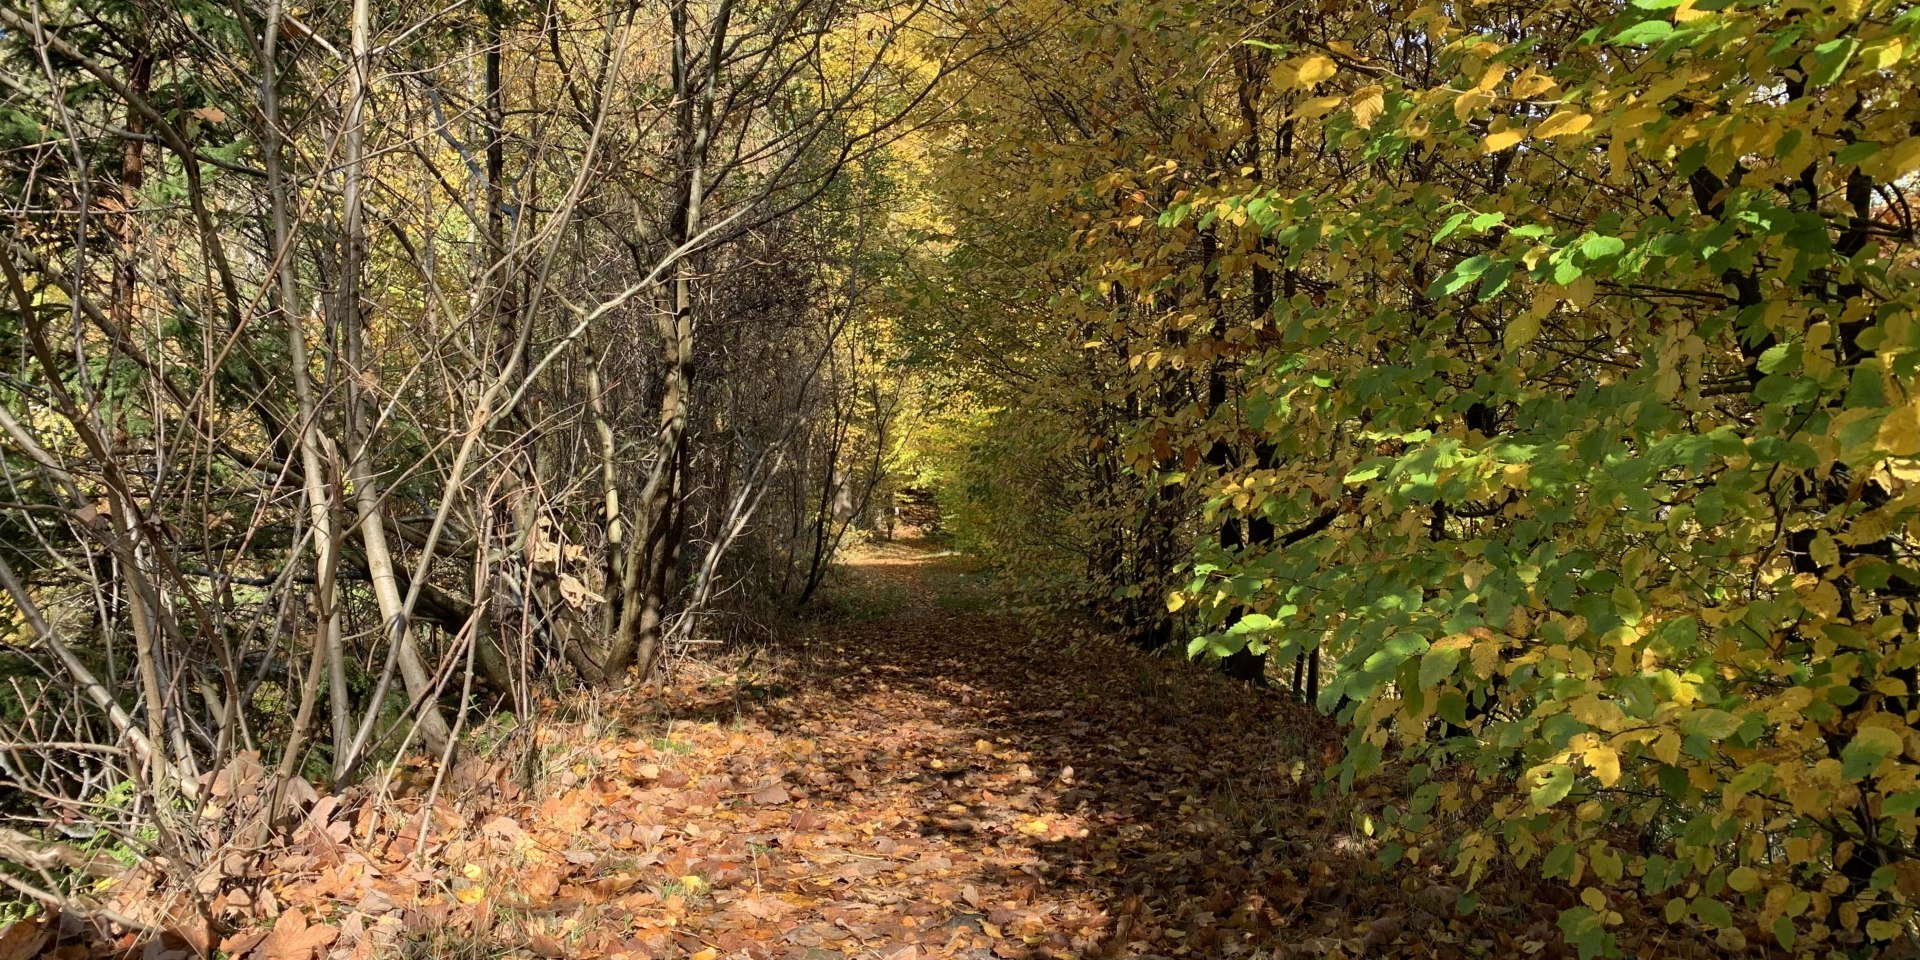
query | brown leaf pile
[933, 782]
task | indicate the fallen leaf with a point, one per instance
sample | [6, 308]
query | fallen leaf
[22, 939]
[293, 939]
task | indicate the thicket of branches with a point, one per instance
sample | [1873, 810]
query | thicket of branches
[368, 365]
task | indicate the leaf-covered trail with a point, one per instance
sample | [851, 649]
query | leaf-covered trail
[915, 777]
[925, 779]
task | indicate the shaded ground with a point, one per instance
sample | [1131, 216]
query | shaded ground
[916, 776]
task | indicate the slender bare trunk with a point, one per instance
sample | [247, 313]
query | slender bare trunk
[373, 533]
[648, 580]
[329, 647]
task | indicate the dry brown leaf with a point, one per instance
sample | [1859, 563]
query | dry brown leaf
[292, 939]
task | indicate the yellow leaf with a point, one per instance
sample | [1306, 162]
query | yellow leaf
[1598, 713]
[1520, 331]
[1885, 54]
[1565, 123]
[693, 883]
[1823, 600]
[1530, 83]
[1824, 551]
[1503, 139]
[1667, 748]
[1666, 382]
[1318, 106]
[1743, 879]
[1686, 14]
[1900, 431]
[1580, 292]
[1465, 105]
[1594, 898]
[1311, 70]
[471, 894]
[1175, 602]
[707, 954]
[1605, 762]
[1867, 528]
[1485, 655]
[1895, 161]
[1368, 103]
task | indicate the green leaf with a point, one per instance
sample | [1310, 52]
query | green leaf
[1710, 723]
[1466, 904]
[1862, 755]
[1583, 929]
[1643, 33]
[1856, 152]
[1774, 357]
[1553, 787]
[1783, 931]
[1713, 912]
[1597, 247]
[1437, 665]
[1750, 778]
[1901, 804]
[1453, 223]
[1496, 280]
[1463, 273]
[1565, 270]
[1560, 862]
[1830, 58]
[1393, 653]
[1251, 623]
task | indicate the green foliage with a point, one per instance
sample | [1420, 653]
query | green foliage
[1006, 496]
[1583, 414]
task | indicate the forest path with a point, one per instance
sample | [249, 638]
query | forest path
[913, 775]
[918, 776]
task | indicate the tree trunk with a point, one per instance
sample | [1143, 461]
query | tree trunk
[373, 533]
[649, 580]
[329, 647]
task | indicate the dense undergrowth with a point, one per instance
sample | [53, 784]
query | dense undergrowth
[1528, 386]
